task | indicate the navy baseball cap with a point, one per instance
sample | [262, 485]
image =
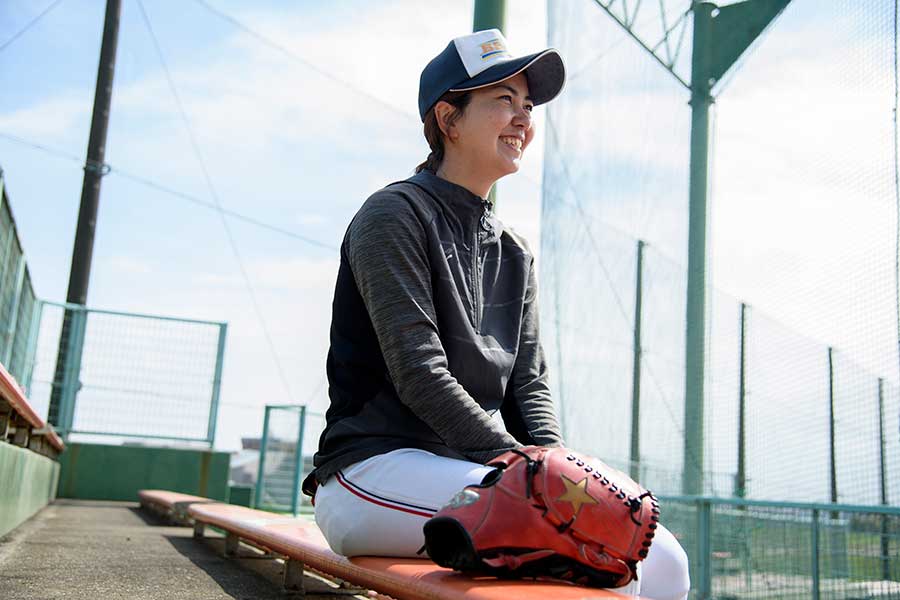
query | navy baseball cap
[481, 59]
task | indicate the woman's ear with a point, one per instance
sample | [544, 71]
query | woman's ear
[443, 112]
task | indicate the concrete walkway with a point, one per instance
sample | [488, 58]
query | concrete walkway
[80, 550]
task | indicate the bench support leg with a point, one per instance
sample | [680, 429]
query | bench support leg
[232, 541]
[198, 529]
[293, 575]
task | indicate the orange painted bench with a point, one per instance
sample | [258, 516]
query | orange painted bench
[20, 424]
[401, 578]
[172, 505]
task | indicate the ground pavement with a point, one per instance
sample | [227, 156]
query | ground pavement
[86, 550]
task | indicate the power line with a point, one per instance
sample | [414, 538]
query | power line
[219, 209]
[30, 24]
[141, 180]
[296, 57]
[212, 190]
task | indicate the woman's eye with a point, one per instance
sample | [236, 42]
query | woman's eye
[508, 98]
[529, 107]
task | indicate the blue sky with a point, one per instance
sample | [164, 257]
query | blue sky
[295, 130]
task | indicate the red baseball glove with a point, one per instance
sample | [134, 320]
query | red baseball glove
[547, 512]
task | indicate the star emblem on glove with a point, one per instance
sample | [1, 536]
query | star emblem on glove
[576, 493]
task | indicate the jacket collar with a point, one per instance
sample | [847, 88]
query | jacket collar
[459, 198]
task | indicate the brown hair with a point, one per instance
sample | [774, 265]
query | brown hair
[433, 134]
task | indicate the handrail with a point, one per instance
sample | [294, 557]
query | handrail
[71, 306]
[821, 506]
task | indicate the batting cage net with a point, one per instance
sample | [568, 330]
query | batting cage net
[799, 362]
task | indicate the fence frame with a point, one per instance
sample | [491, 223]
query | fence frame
[298, 458]
[71, 383]
[704, 532]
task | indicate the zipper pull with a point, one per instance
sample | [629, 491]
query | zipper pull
[487, 208]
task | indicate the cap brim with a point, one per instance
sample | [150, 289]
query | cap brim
[545, 71]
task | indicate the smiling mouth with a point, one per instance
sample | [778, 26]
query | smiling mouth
[512, 141]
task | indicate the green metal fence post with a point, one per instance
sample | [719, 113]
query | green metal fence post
[217, 385]
[260, 474]
[490, 14]
[815, 554]
[704, 549]
[298, 465]
[72, 377]
[7, 248]
[695, 335]
[636, 367]
[73, 368]
[10, 333]
[31, 347]
[740, 484]
[832, 449]
[885, 534]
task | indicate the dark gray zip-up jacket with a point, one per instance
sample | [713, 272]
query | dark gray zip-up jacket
[434, 329]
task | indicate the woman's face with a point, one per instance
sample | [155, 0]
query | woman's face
[495, 128]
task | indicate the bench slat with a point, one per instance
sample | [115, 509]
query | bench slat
[402, 578]
[169, 499]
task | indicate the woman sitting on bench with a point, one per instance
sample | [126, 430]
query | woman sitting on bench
[435, 321]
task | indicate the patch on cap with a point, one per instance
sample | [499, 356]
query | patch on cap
[482, 50]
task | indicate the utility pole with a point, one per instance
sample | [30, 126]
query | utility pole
[490, 14]
[94, 170]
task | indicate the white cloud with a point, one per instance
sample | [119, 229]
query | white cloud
[48, 120]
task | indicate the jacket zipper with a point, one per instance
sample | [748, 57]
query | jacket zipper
[485, 224]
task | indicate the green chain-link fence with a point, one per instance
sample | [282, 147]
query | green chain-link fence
[19, 311]
[130, 375]
[756, 549]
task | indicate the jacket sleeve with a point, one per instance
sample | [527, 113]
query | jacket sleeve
[388, 254]
[528, 406]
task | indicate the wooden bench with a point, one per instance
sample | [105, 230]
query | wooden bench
[304, 547]
[20, 424]
[170, 505]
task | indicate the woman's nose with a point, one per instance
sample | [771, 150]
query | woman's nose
[522, 117]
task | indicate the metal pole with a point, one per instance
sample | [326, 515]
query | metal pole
[217, 385]
[704, 550]
[557, 308]
[815, 554]
[885, 538]
[740, 485]
[636, 367]
[71, 378]
[695, 346]
[10, 334]
[490, 14]
[31, 349]
[832, 450]
[94, 170]
[257, 500]
[298, 465]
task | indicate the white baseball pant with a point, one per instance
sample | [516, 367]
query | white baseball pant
[377, 507]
